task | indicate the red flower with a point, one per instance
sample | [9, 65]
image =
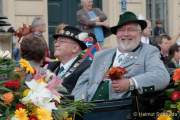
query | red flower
[32, 117]
[20, 105]
[175, 95]
[12, 84]
[116, 72]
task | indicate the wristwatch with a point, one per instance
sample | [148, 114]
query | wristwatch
[131, 85]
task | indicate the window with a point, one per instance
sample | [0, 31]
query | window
[157, 10]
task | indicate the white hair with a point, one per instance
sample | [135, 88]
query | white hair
[37, 21]
[81, 4]
[139, 27]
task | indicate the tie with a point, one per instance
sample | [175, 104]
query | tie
[60, 73]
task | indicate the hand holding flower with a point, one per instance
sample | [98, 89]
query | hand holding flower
[115, 73]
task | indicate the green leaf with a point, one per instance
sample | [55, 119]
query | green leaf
[1, 82]
[2, 104]
[167, 104]
[178, 105]
[168, 92]
[3, 118]
[5, 89]
[173, 106]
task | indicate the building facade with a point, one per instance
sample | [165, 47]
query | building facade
[168, 11]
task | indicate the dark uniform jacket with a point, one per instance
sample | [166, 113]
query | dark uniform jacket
[71, 76]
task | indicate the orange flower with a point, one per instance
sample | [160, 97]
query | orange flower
[176, 75]
[116, 72]
[8, 97]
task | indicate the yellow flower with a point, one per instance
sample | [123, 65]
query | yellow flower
[43, 114]
[164, 117]
[25, 64]
[21, 114]
[26, 92]
[41, 80]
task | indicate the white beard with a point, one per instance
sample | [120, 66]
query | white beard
[127, 45]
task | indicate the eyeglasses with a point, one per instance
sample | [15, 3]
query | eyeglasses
[129, 30]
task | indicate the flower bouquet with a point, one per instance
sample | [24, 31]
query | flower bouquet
[33, 94]
[172, 104]
[115, 73]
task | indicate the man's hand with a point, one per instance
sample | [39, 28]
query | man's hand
[120, 85]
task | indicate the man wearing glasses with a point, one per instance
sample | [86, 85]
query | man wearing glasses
[68, 48]
[142, 62]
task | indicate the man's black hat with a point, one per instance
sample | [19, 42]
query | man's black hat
[73, 33]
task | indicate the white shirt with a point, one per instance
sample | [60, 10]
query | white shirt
[67, 65]
[145, 40]
[178, 41]
[117, 57]
[116, 63]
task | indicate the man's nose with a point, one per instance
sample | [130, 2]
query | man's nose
[126, 32]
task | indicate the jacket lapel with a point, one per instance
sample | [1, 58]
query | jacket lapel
[100, 73]
[106, 64]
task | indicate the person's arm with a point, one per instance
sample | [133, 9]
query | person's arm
[80, 90]
[174, 39]
[100, 14]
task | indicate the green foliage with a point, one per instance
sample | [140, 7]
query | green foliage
[70, 108]
[6, 66]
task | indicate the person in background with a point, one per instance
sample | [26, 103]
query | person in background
[174, 56]
[15, 49]
[68, 50]
[38, 27]
[146, 34]
[158, 30]
[32, 48]
[60, 27]
[142, 62]
[164, 44]
[92, 20]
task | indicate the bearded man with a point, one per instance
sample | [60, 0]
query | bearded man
[142, 62]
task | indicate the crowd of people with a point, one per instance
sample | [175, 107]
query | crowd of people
[142, 55]
[83, 79]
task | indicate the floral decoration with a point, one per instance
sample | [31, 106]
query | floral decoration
[116, 72]
[33, 95]
[172, 103]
